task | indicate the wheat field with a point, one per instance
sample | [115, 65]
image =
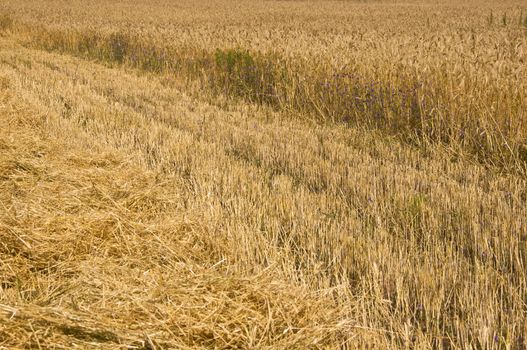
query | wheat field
[221, 174]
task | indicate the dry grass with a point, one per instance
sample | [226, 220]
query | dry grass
[99, 253]
[219, 190]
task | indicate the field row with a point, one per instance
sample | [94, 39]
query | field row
[421, 250]
[456, 80]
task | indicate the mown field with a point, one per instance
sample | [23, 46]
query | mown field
[263, 175]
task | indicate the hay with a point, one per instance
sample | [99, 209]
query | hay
[98, 253]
